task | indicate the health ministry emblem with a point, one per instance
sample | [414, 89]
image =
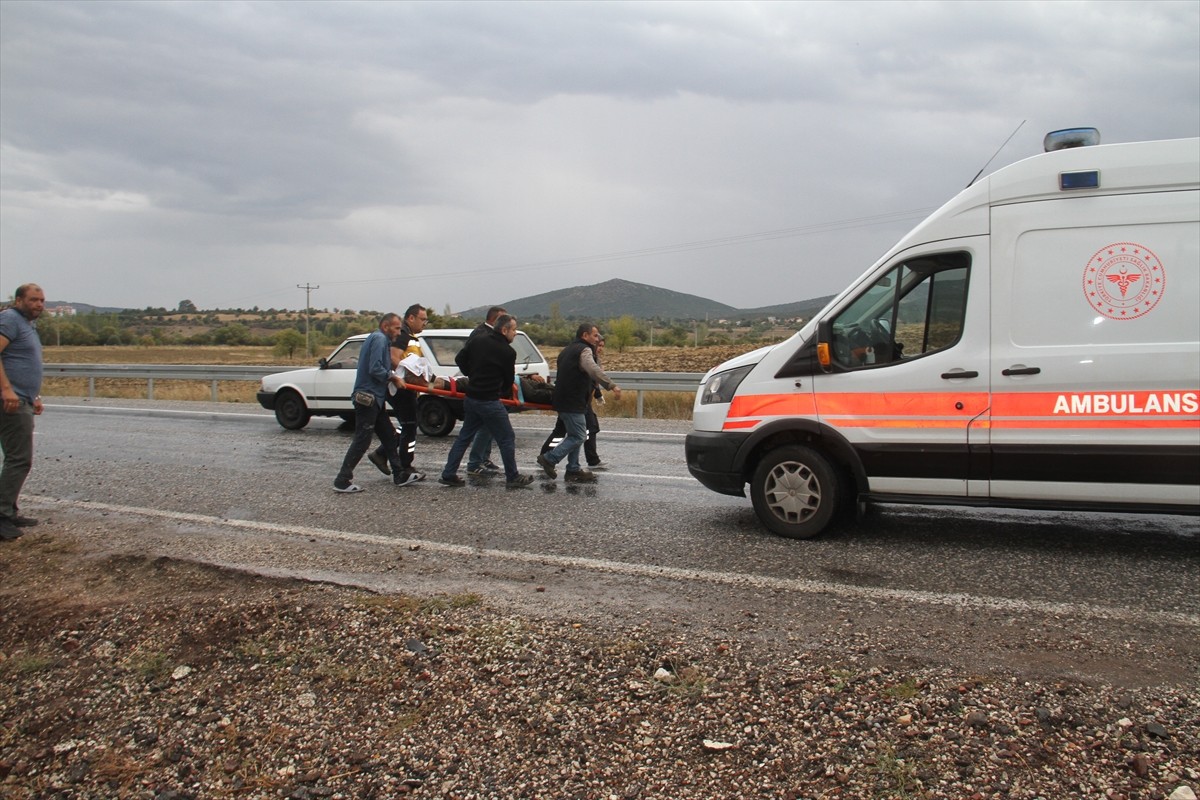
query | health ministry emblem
[1124, 280]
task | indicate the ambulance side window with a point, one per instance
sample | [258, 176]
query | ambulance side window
[915, 308]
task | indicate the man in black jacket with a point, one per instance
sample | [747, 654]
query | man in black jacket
[491, 363]
[479, 459]
[577, 375]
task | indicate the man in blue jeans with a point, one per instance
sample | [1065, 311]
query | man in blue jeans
[479, 460]
[370, 390]
[577, 374]
[491, 363]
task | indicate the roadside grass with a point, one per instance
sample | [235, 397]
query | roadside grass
[165, 354]
[150, 665]
[27, 664]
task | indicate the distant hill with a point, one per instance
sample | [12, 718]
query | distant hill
[804, 309]
[603, 301]
[612, 298]
[617, 297]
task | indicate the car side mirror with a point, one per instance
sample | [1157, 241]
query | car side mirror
[322, 363]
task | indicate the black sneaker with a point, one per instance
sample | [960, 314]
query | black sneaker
[9, 531]
[349, 488]
[453, 480]
[380, 461]
[580, 476]
[519, 482]
[547, 466]
[490, 466]
[24, 522]
[480, 472]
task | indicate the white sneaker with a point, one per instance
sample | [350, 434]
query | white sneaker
[351, 489]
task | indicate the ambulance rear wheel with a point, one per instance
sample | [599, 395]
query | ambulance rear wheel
[796, 491]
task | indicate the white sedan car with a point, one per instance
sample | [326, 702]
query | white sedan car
[299, 395]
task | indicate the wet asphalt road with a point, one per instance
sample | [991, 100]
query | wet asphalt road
[203, 459]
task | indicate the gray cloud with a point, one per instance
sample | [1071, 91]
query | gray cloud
[467, 153]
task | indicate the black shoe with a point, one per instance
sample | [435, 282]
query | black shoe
[380, 461]
[547, 466]
[24, 522]
[9, 531]
[580, 476]
[480, 472]
[490, 466]
[408, 476]
[519, 482]
[453, 480]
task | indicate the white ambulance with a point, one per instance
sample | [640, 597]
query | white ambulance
[1034, 343]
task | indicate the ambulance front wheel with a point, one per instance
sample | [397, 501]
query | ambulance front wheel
[796, 491]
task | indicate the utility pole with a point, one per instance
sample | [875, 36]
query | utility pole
[307, 308]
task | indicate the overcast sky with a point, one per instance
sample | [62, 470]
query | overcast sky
[465, 154]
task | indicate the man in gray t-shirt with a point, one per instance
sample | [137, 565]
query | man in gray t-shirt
[20, 393]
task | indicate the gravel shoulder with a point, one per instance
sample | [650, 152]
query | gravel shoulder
[128, 670]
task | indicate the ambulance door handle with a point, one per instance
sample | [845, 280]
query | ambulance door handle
[1021, 371]
[960, 374]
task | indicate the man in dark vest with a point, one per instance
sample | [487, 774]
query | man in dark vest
[577, 373]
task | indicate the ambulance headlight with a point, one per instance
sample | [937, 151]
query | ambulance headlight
[720, 387]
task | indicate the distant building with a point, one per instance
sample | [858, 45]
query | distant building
[59, 311]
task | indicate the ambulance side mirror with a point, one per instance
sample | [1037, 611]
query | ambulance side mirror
[824, 345]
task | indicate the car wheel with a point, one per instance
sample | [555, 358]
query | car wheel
[796, 491]
[434, 417]
[290, 410]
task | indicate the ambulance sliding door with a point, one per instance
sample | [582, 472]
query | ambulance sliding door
[910, 361]
[1094, 349]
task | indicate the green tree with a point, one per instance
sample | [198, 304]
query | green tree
[557, 326]
[187, 307]
[233, 333]
[72, 333]
[288, 342]
[621, 332]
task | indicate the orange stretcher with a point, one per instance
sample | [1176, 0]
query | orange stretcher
[517, 400]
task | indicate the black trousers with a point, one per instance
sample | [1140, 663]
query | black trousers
[405, 405]
[367, 420]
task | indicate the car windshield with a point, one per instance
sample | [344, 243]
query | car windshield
[346, 356]
[527, 351]
[445, 348]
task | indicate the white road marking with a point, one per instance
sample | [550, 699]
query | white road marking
[952, 599]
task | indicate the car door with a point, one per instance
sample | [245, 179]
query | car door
[333, 383]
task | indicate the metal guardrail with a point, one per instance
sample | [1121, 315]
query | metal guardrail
[639, 382]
